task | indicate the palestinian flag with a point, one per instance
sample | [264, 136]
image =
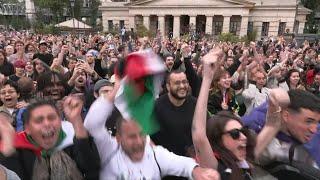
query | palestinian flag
[142, 77]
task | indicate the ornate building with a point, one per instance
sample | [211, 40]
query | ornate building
[267, 17]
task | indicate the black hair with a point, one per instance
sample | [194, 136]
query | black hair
[44, 80]
[168, 55]
[38, 103]
[177, 71]
[12, 84]
[215, 129]
[303, 99]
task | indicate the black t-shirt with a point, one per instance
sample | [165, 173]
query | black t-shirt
[7, 69]
[14, 78]
[175, 124]
[47, 58]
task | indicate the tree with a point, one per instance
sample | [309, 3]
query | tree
[314, 5]
[55, 7]
[94, 12]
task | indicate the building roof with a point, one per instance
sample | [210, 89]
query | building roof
[73, 24]
[238, 2]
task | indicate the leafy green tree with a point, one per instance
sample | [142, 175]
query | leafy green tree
[55, 7]
[93, 12]
[314, 5]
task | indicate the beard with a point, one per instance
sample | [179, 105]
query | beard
[174, 93]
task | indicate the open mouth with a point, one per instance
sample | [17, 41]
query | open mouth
[242, 147]
[55, 93]
[8, 99]
[48, 134]
[81, 80]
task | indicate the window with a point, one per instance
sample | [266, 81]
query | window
[282, 28]
[265, 29]
[250, 27]
[218, 27]
[121, 24]
[86, 3]
[235, 27]
[110, 25]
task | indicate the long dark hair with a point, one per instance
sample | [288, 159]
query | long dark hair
[215, 130]
[5, 56]
[289, 73]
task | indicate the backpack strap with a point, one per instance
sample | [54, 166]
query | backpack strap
[155, 158]
[291, 152]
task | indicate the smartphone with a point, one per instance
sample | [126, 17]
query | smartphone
[80, 60]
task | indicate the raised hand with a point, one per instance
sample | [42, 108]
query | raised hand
[72, 107]
[200, 173]
[211, 62]
[278, 100]
[7, 134]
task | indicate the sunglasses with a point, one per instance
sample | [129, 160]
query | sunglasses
[235, 133]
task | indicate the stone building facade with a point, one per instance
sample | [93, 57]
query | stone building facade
[267, 17]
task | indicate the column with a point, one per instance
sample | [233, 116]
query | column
[161, 22]
[258, 26]
[193, 21]
[192, 25]
[146, 21]
[273, 28]
[176, 26]
[116, 22]
[289, 26]
[301, 27]
[244, 25]
[131, 22]
[209, 22]
[105, 24]
[226, 24]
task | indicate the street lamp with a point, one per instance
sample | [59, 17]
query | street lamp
[72, 2]
[84, 20]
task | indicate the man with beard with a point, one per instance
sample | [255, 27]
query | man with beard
[94, 65]
[174, 112]
[131, 155]
[169, 62]
[50, 148]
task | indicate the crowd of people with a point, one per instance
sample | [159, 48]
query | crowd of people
[229, 111]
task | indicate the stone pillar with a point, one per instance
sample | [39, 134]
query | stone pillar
[161, 25]
[244, 25]
[226, 24]
[289, 26]
[193, 20]
[30, 10]
[105, 23]
[258, 26]
[146, 21]
[209, 23]
[273, 28]
[131, 22]
[176, 26]
[301, 27]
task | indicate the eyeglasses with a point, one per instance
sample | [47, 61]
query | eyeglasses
[235, 133]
